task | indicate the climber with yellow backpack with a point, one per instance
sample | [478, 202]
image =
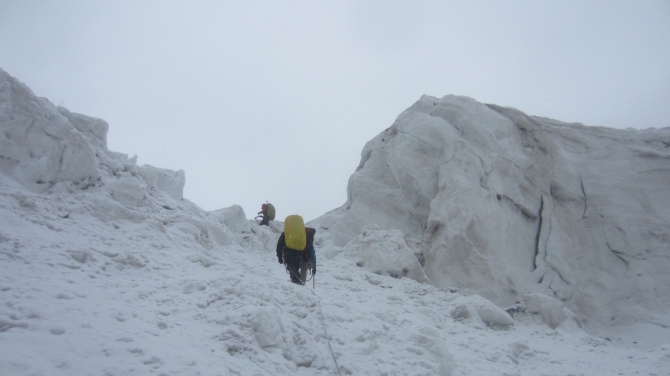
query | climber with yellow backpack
[267, 212]
[295, 249]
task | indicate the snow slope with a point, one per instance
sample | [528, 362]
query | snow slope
[504, 204]
[106, 270]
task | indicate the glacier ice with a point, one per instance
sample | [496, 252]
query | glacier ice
[505, 204]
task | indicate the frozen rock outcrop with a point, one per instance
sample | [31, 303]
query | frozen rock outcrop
[49, 149]
[475, 309]
[386, 253]
[551, 311]
[233, 217]
[39, 146]
[168, 181]
[506, 204]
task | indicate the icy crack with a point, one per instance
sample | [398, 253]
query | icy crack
[617, 254]
[415, 138]
[581, 182]
[539, 232]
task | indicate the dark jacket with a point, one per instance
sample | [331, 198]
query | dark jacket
[308, 254]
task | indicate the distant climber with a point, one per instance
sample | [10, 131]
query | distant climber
[267, 213]
[295, 249]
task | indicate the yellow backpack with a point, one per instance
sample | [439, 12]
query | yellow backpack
[294, 232]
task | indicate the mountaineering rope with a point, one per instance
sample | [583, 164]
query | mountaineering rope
[323, 320]
[288, 271]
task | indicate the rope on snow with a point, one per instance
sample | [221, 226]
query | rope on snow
[325, 331]
[323, 319]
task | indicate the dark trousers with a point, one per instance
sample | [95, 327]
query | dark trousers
[265, 220]
[293, 260]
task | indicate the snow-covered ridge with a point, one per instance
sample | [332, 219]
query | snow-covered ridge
[505, 204]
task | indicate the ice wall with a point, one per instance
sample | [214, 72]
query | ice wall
[506, 204]
[48, 149]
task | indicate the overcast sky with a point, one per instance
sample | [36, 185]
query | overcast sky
[274, 100]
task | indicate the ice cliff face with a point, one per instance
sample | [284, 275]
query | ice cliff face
[504, 204]
[55, 153]
[49, 149]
